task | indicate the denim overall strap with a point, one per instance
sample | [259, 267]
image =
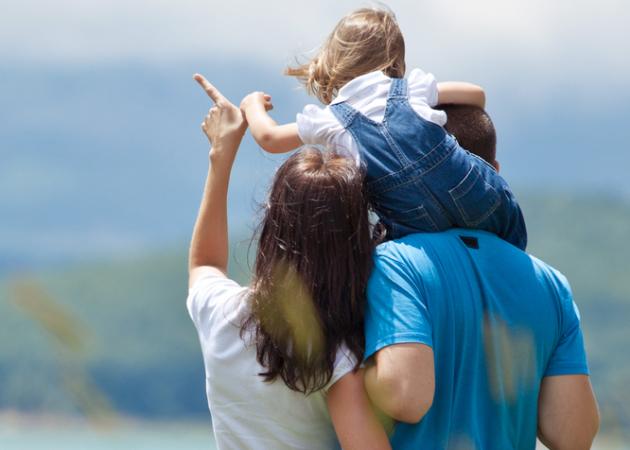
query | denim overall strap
[344, 113]
[398, 88]
[397, 94]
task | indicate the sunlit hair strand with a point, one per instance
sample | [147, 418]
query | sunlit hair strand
[364, 41]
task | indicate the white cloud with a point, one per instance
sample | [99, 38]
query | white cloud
[576, 42]
[552, 32]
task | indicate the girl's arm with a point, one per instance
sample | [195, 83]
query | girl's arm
[354, 420]
[461, 93]
[268, 134]
[224, 126]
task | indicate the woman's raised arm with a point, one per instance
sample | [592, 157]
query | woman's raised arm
[224, 126]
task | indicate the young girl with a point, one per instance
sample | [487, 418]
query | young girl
[417, 176]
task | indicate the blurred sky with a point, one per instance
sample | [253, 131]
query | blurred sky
[573, 43]
[100, 148]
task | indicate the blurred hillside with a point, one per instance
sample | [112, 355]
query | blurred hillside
[587, 239]
[108, 160]
[140, 352]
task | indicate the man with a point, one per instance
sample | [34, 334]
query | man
[472, 343]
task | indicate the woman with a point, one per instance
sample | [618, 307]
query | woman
[281, 356]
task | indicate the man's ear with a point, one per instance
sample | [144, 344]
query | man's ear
[496, 165]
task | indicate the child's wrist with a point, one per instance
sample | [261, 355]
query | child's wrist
[251, 109]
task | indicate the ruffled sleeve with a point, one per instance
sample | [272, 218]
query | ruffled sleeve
[423, 96]
[423, 86]
[318, 126]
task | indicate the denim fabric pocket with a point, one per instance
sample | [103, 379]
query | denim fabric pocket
[475, 199]
[481, 160]
[411, 220]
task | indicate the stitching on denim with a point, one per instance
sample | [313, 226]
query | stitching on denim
[490, 211]
[402, 158]
[423, 213]
[413, 164]
[398, 88]
[455, 192]
[408, 104]
[463, 213]
[347, 113]
[479, 158]
[435, 202]
[419, 183]
[399, 98]
[397, 92]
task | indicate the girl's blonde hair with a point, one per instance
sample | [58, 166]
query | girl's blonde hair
[364, 41]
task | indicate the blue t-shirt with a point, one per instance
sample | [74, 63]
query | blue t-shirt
[498, 321]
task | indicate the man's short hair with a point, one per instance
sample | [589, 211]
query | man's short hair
[473, 128]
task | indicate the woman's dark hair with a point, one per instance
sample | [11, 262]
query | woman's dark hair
[312, 266]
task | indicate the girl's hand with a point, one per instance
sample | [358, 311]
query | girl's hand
[224, 125]
[267, 133]
[254, 99]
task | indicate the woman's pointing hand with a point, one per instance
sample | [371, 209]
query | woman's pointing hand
[224, 125]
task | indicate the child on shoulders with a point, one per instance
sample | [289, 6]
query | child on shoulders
[418, 177]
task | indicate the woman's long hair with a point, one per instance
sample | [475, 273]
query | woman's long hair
[313, 261]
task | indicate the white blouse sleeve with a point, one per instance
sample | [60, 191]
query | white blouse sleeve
[207, 293]
[423, 96]
[423, 87]
[318, 126]
[344, 363]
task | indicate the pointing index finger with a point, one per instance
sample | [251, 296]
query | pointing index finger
[212, 92]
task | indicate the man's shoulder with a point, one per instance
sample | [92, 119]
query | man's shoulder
[411, 247]
[452, 240]
[427, 255]
[553, 276]
[425, 249]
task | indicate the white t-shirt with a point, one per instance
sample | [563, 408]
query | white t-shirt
[247, 412]
[368, 95]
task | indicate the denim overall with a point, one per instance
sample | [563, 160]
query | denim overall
[420, 179]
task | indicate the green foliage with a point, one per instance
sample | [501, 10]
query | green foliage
[587, 238]
[140, 349]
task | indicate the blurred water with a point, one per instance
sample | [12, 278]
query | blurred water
[144, 435]
[159, 436]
